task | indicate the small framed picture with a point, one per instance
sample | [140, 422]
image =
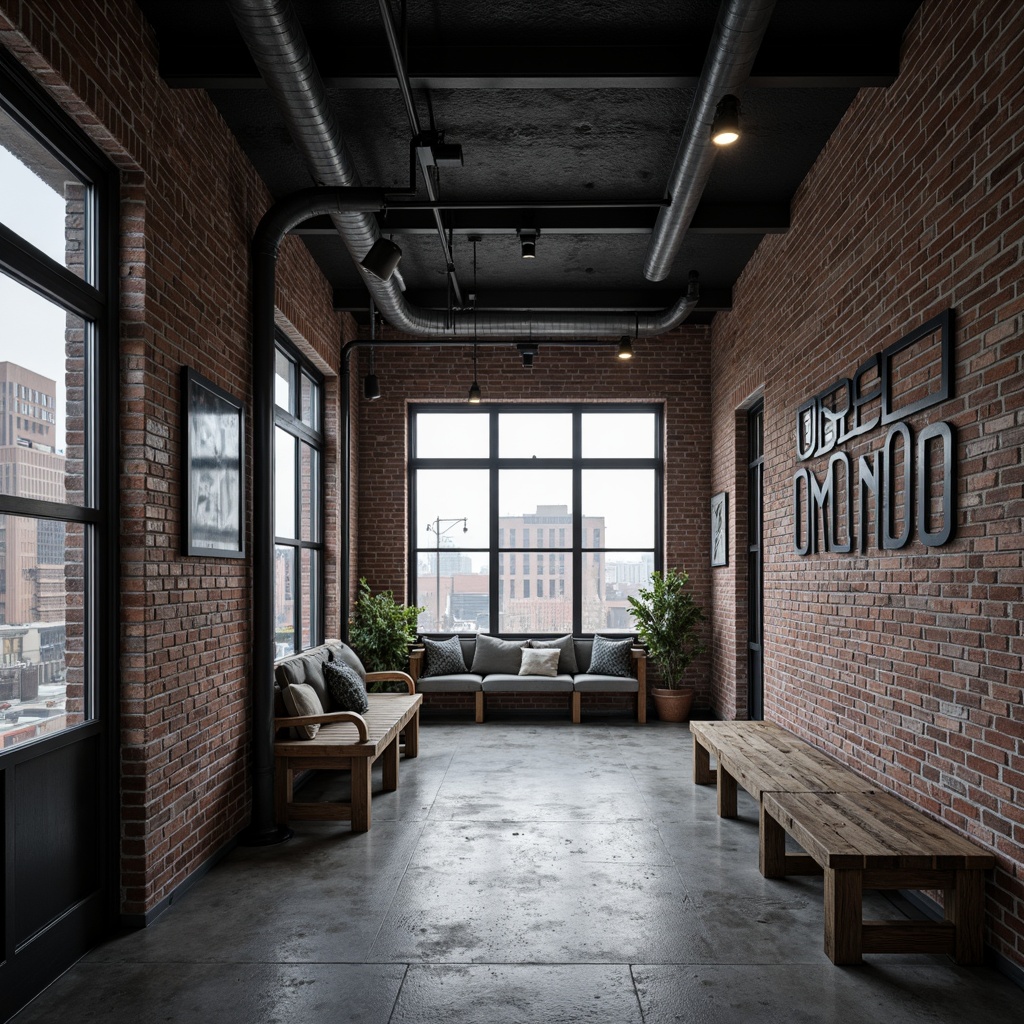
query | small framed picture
[214, 450]
[720, 529]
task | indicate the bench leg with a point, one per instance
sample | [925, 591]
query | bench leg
[412, 735]
[772, 851]
[389, 759]
[844, 914]
[361, 782]
[965, 910]
[479, 705]
[702, 773]
[726, 793]
[576, 702]
[283, 791]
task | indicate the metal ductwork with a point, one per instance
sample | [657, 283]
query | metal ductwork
[737, 38]
[277, 43]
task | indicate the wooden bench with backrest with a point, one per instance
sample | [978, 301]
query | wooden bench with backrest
[857, 836]
[344, 740]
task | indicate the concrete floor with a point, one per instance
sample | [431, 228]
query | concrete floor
[524, 871]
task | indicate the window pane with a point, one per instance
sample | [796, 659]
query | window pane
[43, 201]
[284, 484]
[454, 591]
[444, 497]
[616, 435]
[621, 503]
[284, 600]
[535, 605]
[609, 579]
[284, 368]
[42, 627]
[42, 424]
[308, 490]
[529, 499]
[309, 402]
[308, 602]
[442, 435]
[535, 435]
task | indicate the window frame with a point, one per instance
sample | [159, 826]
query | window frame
[290, 421]
[495, 464]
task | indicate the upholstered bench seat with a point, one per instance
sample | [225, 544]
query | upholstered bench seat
[459, 682]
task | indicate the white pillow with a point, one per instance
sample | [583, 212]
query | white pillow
[539, 662]
[301, 701]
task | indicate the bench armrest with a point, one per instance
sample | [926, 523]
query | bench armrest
[385, 677]
[325, 719]
[417, 656]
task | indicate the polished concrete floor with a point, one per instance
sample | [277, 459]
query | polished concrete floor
[525, 871]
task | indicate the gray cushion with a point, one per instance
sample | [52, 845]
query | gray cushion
[462, 682]
[443, 657]
[587, 683]
[348, 690]
[501, 682]
[566, 653]
[494, 655]
[539, 663]
[300, 699]
[610, 657]
[342, 652]
[313, 667]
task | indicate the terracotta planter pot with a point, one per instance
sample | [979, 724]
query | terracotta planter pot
[672, 705]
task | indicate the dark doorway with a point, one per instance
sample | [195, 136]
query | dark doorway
[755, 562]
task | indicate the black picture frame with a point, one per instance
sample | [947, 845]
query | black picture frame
[213, 444]
[720, 529]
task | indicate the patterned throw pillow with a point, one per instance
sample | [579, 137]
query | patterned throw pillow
[301, 700]
[444, 657]
[499, 656]
[347, 690]
[567, 653]
[610, 657]
[539, 663]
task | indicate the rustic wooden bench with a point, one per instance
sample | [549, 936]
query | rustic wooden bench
[346, 740]
[875, 841]
[859, 837]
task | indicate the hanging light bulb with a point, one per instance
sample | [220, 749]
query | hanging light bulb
[725, 129]
[371, 386]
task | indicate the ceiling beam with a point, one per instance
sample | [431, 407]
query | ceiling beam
[710, 218]
[807, 63]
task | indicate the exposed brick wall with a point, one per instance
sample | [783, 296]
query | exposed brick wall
[672, 369]
[905, 664]
[190, 203]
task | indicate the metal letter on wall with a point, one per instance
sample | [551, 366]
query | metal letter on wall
[889, 541]
[945, 433]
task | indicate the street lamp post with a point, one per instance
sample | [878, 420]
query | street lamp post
[436, 528]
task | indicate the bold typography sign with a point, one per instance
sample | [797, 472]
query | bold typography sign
[909, 480]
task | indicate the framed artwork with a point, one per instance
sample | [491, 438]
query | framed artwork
[720, 529]
[214, 450]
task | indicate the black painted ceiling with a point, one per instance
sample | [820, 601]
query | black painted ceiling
[587, 99]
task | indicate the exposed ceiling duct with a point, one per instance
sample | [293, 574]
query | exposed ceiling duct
[275, 38]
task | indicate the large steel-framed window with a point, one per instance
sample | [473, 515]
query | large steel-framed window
[298, 503]
[533, 520]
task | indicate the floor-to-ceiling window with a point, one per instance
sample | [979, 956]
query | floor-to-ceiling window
[755, 562]
[298, 503]
[58, 527]
[533, 519]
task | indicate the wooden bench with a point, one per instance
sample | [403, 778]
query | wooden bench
[859, 837]
[346, 740]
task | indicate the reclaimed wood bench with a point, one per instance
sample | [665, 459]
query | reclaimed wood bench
[873, 840]
[346, 740]
[856, 835]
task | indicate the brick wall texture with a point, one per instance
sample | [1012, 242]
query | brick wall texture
[904, 663]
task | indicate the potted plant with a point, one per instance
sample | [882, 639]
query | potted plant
[667, 623]
[381, 630]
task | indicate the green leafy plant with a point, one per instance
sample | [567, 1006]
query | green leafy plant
[381, 630]
[668, 623]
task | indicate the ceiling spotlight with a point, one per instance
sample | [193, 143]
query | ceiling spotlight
[383, 258]
[625, 348]
[527, 350]
[528, 244]
[725, 129]
[371, 387]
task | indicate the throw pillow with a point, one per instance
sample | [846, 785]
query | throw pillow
[539, 663]
[610, 657]
[301, 700]
[443, 657]
[347, 690]
[567, 653]
[313, 669]
[494, 655]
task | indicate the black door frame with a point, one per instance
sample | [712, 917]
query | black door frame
[755, 561]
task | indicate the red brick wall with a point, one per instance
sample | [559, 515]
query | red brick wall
[906, 664]
[190, 203]
[672, 369]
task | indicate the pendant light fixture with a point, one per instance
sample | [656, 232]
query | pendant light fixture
[371, 386]
[725, 129]
[475, 395]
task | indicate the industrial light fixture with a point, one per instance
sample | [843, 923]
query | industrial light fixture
[528, 350]
[474, 388]
[528, 243]
[725, 129]
[371, 386]
[383, 258]
[625, 348]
